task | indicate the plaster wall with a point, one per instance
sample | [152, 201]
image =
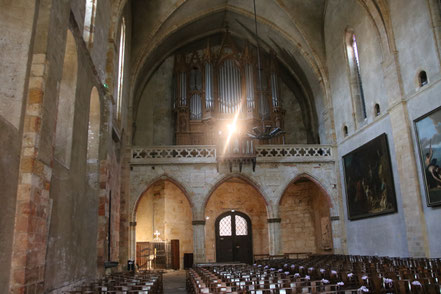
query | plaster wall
[17, 22]
[154, 120]
[294, 126]
[240, 196]
[74, 253]
[341, 15]
[414, 38]
[426, 100]
[383, 235]
[71, 253]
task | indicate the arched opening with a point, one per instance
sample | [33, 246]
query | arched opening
[345, 130]
[377, 109]
[234, 237]
[236, 195]
[305, 218]
[422, 78]
[93, 138]
[163, 213]
[120, 73]
[356, 84]
[89, 21]
[66, 103]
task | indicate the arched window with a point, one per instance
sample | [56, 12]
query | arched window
[89, 22]
[345, 130]
[66, 103]
[422, 78]
[93, 138]
[120, 81]
[355, 75]
[377, 109]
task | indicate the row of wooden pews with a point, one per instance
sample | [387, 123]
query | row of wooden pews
[144, 282]
[320, 274]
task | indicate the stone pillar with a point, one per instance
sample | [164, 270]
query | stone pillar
[274, 233]
[416, 231]
[132, 242]
[198, 241]
[33, 204]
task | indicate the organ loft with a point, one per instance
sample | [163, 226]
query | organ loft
[221, 88]
[221, 146]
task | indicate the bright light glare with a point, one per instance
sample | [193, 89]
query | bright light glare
[232, 127]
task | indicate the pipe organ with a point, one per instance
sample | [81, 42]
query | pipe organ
[213, 85]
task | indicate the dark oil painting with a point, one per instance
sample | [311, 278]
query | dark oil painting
[429, 140]
[369, 182]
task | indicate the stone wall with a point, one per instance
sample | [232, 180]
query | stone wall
[165, 208]
[393, 49]
[199, 181]
[235, 194]
[17, 22]
[302, 209]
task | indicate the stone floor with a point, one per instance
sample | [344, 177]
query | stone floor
[174, 282]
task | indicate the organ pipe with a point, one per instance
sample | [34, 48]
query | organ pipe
[209, 98]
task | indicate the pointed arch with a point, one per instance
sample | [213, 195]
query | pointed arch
[150, 184]
[246, 179]
[304, 209]
[66, 102]
[93, 138]
[312, 179]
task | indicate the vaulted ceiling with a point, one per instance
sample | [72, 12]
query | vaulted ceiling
[293, 27]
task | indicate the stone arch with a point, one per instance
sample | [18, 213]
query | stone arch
[235, 193]
[154, 52]
[164, 177]
[246, 179]
[304, 210]
[310, 178]
[163, 207]
[66, 102]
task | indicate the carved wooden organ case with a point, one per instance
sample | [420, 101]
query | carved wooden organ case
[212, 85]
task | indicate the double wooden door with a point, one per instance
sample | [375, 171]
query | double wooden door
[233, 238]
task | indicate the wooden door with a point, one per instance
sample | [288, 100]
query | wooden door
[233, 238]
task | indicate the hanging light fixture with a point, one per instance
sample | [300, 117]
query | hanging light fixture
[265, 132]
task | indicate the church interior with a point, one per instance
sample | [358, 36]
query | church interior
[264, 146]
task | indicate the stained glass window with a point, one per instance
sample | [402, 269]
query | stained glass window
[241, 226]
[225, 226]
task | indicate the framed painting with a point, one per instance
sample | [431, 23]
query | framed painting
[428, 130]
[370, 189]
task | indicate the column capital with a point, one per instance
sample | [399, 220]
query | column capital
[132, 224]
[274, 220]
[198, 222]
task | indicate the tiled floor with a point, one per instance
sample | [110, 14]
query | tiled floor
[174, 282]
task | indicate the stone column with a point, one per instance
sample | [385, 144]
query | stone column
[132, 236]
[198, 241]
[416, 231]
[275, 244]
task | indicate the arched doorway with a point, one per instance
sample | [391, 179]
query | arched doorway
[305, 218]
[236, 194]
[234, 237]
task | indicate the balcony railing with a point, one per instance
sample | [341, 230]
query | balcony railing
[208, 154]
